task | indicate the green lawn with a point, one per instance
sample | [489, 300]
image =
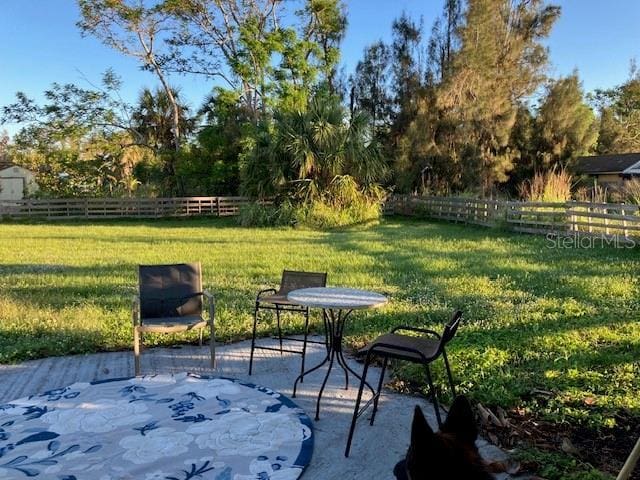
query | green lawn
[560, 320]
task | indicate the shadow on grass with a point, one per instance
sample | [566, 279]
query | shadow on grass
[518, 307]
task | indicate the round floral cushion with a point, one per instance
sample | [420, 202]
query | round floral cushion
[169, 427]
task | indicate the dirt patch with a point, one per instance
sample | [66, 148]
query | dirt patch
[604, 449]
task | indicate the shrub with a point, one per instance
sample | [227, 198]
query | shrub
[322, 215]
[343, 204]
[260, 214]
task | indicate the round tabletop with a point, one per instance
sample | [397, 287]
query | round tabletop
[177, 427]
[337, 298]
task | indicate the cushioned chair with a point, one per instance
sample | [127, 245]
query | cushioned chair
[171, 300]
[423, 348]
[276, 300]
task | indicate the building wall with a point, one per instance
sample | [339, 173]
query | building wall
[16, 183]
[610, 178]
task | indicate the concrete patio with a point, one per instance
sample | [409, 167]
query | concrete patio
[375, 449]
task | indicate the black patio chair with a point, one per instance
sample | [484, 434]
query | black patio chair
[423, 349]
[276, 300]
[171, 300]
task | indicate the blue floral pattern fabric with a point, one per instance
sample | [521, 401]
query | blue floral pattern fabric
[162, 427]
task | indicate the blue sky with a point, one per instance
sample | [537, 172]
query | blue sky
[40, 44]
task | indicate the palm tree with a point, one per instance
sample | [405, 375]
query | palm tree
[316, 149]
[153, 120]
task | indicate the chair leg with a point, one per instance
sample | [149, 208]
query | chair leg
[279, 329]
[253, 337]
[377, 397]
[354, 419]
[212, 344]
[304, 343]
[136, 350]
[448, 368]
[434, 396]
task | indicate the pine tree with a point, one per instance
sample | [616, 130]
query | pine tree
[500, 61]
[565, 124]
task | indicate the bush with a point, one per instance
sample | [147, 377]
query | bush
[259, 214]
[322, 215]
[316, 214]
[342, 204]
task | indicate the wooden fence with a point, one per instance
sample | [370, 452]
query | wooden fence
[92, 208]
[610, 220]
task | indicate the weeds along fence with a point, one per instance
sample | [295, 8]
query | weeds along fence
[611, 220]
[92, 208]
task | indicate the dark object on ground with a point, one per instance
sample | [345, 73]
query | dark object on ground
[449, 453]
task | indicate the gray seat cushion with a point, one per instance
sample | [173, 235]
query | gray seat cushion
[172, 324]
[426, 346]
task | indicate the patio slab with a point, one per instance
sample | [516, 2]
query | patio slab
[375, 449]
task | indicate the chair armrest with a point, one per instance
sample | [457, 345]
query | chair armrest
[135, 309]
[212, 304]
[208, 295]
[266, 290]
[416, 329]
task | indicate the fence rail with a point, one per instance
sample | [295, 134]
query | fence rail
[92, 208]
[611, 220]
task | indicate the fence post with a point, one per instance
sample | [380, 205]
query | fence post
[505, 214]
[625, 231]
[218, 205]
[569, 216]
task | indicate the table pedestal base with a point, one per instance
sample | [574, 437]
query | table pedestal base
[334, 321]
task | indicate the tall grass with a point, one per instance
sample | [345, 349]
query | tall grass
[552, 186]
[632, 191]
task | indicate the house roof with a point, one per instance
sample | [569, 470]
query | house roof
[617, 163]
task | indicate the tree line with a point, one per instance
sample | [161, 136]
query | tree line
[465, 106]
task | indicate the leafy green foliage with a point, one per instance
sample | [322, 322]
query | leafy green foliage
[314, 155]
[556, 466]
[265, 215]
[82, 142]
[620, 116]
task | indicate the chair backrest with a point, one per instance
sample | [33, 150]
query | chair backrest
[451, 328]
[292, 280]
[170, 290]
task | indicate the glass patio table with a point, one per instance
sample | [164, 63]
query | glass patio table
[336, 304]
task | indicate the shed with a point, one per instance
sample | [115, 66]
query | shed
[612, 169]
[15, 182]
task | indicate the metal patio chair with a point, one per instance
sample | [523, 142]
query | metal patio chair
[171, 299]
[276, 300]
[423, 349]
